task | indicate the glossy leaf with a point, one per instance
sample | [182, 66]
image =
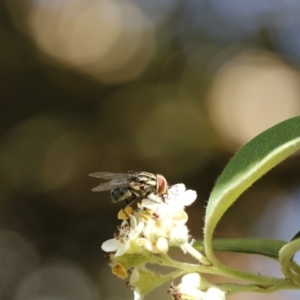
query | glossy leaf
[264, 247]
[250, 163]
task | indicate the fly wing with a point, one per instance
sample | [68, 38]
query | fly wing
[108, 175]
[118, 180]
[107, 186]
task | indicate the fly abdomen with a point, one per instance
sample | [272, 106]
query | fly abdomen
[120, 194]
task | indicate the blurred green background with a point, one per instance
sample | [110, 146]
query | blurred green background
[172, 87]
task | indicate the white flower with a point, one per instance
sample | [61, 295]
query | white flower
[156, 225]
[179, 196]
[156, 233]
[189, 288]
[214, 293]
[193, 287]
[191, 279]
[127, 241]
[161, 245]
[165, 218]
[173, 206]
[190, 293]
[179, 235]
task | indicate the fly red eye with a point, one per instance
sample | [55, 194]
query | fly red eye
[162, 185]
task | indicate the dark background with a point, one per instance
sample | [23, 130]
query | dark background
[172, 87]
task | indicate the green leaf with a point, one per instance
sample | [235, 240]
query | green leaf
[296, 236]
[250, 163]
[264, 247]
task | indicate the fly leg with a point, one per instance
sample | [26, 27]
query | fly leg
[133, 197]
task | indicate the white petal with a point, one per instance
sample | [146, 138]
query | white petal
[192, 279]
[150, 204]
[154, 198]
[177, 189]
[179, 217]
[135, 276]
[214, 293]
[162, 245]
[134, 234]
[111, 245]
[154, 230]
[188, 197]
[193, 293]
[138, 296]
[174, 192]
[133, 221]
[179, 235]
[149, 246]
[122, 249]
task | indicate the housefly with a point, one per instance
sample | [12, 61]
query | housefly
[132, 186]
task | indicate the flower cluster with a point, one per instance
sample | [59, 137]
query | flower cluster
[146, 234]
[156, 225]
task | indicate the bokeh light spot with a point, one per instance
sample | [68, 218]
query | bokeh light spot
[250, 94]
[109, 40]
[57, 281]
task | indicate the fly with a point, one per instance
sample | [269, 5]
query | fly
[132, 186]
